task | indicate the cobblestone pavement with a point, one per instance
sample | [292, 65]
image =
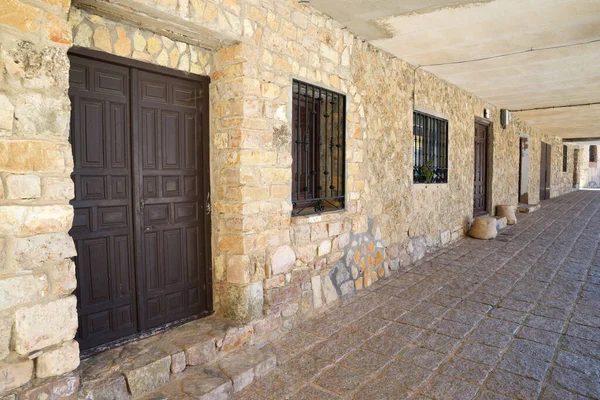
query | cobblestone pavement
[517, 317]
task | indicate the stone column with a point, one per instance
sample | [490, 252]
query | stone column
[238, 132]
[38, 318]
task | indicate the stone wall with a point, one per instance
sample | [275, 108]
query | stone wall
[560, 182]
[267, 265]
[38, 316]
[118, 38]
[590, 171]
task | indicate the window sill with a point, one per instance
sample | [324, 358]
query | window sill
[424, 186]
[317, 217]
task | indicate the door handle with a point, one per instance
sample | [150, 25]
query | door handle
[148, 228]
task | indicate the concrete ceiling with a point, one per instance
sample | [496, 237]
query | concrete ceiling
[516, 54]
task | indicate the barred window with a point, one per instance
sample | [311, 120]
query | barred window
[593, 154]
[318, 149]
[565, 157]
[430, 149]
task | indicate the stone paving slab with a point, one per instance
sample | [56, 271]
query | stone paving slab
[513, 318]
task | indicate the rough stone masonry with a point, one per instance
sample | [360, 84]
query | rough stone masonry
[267, 265]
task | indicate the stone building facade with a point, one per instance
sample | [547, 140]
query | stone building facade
[267, 265]
[589, 176]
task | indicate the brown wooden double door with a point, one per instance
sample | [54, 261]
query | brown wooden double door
[480, 178]
[545, 163]
[141, 228]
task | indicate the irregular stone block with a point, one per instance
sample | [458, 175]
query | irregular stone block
[39, 68]
[500, 223]
[237, 337]
[508, 212]
[316, 290]
[20, 16]
[2, 251]
[13, 375]
[318, 231]
[324, 248]
[61, 388]
[58, 188]
[209, 384]
[244, 366]
[343, 240]
[44, 325]
[419, 248]
[529, 208]
[58, 361]
[329, 291]
[23, 187]
[62, 278]
[83, 36]
[243, 303]
[35, 251]
[347, 288]
[334, 228]
[484, 228]
[307, 253]
[445, 237]
[342, 274]
[109, 389]
[33, 220]
[149, 377]
[31, 156]
[178, 362]
[282, 260]
[42, 115]
[7, 114]
[5, 334]
[22, 289]
[201, 353]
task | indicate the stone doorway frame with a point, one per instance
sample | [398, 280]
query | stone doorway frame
[489, 176]
[206, 174]
[524, 167]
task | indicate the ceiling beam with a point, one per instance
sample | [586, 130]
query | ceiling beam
[587, 139]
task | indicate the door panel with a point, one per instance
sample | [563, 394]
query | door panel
[548, 169]
[545, 163]
[480, 179]
[576, 168]
[141, 181]
[524, 170]
[103, 225]
[172, 255]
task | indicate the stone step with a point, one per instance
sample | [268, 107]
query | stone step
[219, 380]
[528, 208]
[145, 366]
[242, 367]
[195, 383]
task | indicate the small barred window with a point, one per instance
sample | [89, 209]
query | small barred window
[430, 149]
[318, 149]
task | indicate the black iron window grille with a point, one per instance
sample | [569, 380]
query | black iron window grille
[593, 154]
[565, 158]
[430, 149]
[318, 149]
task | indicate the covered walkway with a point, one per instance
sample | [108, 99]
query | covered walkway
[518, 317]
